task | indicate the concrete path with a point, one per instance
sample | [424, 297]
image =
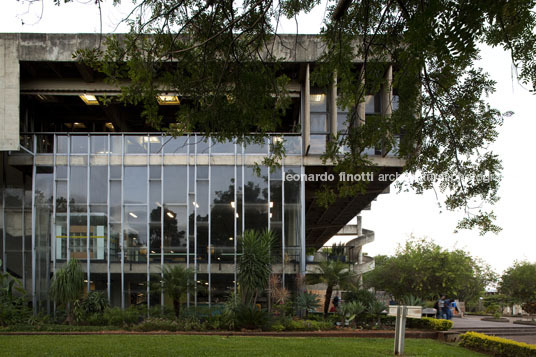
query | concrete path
[476, 322]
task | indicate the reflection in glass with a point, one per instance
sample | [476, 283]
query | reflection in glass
[99, 144]
[136, 144]
[79, 144]
[135, 184]
[135, 234]
[62, 144]
[174, 184]
[98, 176]
[256, 199]
[292, 217]
[178, 145]
[222, 213]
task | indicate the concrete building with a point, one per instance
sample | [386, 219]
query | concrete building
[80, 179]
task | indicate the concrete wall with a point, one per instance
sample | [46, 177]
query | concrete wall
[9, 93]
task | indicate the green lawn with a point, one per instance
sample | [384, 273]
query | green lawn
[176, 345]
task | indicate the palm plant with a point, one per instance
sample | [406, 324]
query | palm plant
[334, 273]
[307, 301]
[67, 286]
[254, 265]
[176, 281]
[411, 300]
[376, 308]
[351, 311]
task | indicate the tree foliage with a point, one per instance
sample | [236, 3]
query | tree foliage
[334, 274]
[176, 282]
[67, 286]
[519, 282]
[218, 55]
[254, 265]
[424, 270]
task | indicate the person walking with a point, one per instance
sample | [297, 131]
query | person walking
[439, 307]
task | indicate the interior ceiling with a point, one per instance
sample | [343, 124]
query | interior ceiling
[323, 223]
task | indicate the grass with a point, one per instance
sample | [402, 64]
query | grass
[180, 345]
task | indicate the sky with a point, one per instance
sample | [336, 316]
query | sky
[394, 216]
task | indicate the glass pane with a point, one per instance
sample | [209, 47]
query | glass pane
[78, 185]
[116, 144]
[174, 184]
[61, 172]
[254, 148]
[115, 246]
[135, 184]
[155, 172]
[318, 103]
[175, 221]
[115, 201]
[318, 123]
[115, 171]
[203, 145]
[292, 216]
[225, 147]
[136, 144]
[135, 234]
[78, 232]
[155, 142]
[317, 144]
[62, 144]
[98, 184]
[97, 233]
[79, 144]
[201, 206]
[256, 199]
[155, 200]
[342, 125]
[99, 144]
[292, 145]
[44, 143]
[178, 145]
[369, 105]
[222, 213]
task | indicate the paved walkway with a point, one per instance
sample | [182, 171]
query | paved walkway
[475, 322]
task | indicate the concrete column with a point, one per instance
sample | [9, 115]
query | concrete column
[333, 105]
[307, 112]
[9, 93]
[387, 93]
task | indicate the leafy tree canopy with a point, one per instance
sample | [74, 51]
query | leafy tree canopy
[423, 269]
[519, 282]
[218, 55]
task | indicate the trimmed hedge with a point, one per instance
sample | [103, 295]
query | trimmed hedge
[496, 345]
[429, 323]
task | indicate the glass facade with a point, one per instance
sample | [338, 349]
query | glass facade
[126, 205]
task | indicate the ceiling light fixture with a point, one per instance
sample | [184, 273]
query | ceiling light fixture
[89, 99]
[168, 100]
[132, 215]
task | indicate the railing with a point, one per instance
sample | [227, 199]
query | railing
[153, 143]
[342, 253]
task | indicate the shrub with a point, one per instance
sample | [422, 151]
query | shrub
[117, 317]
[429, 323]
[250, 317]
[308, 325]
[496, 345]
[157, 324]
[278, 327]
